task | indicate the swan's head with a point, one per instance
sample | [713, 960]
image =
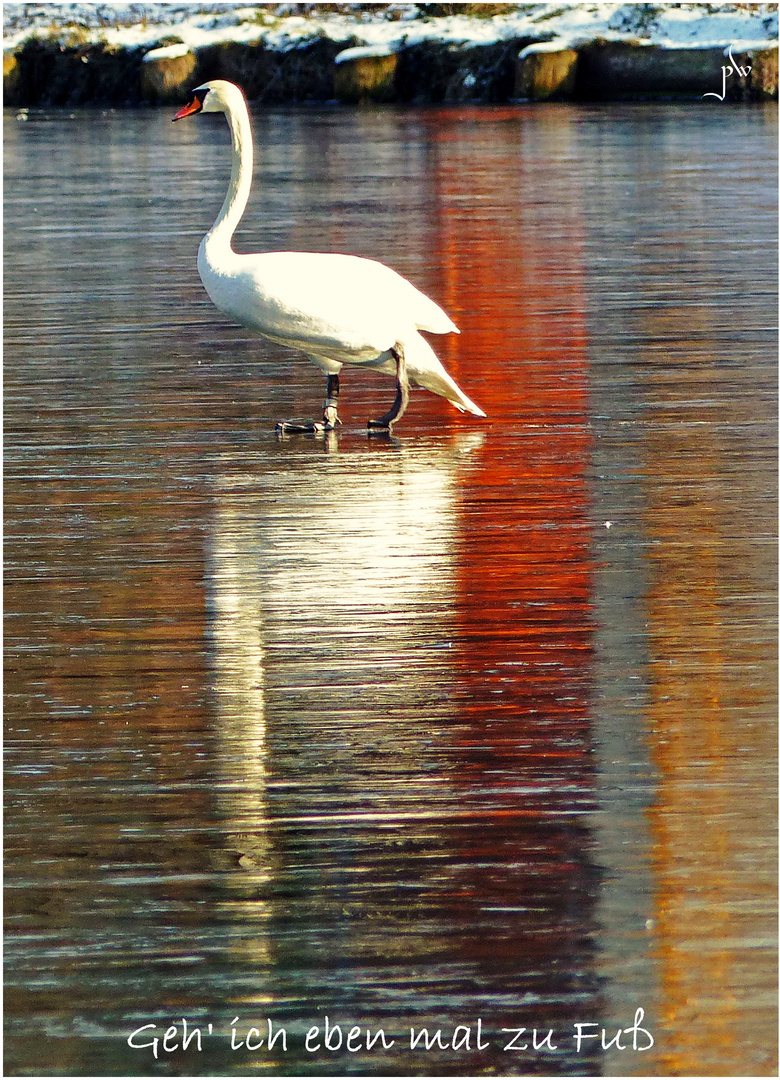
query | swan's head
[215, 96]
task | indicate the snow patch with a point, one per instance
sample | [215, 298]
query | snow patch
[685, 25]
[167, 52]
[361, 52]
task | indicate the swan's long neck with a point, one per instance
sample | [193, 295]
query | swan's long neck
[221, 232]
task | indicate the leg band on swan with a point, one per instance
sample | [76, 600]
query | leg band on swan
[330, 416]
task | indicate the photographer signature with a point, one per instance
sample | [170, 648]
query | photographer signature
[730, 69]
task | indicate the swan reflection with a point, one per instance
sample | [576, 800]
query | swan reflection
[332, 587]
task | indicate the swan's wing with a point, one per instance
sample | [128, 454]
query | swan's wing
[339, 305]
[424, 312]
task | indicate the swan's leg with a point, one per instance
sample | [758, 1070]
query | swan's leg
[330, 414]
[398, 408]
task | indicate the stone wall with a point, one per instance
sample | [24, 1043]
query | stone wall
[621, 71]
[362, 79]
[271, 77]
[48, 73]
[434, 73]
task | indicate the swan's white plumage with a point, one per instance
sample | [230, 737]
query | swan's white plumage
[339, 309]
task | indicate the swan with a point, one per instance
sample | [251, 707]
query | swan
[338, 309]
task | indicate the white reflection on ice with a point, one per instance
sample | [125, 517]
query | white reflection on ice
[332, 586]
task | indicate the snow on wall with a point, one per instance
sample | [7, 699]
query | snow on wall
[390, 26]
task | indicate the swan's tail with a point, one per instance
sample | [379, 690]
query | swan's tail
[424, 367]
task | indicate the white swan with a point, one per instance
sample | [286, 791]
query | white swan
[339, 309]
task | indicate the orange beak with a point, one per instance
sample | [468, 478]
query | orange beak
[194, 105]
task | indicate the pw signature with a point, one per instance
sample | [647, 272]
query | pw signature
[730, 69]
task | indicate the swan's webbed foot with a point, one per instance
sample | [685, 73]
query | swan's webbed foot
[298, 427]
[330, 416]
[385, 423]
